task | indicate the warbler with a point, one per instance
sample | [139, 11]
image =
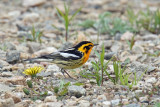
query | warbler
[70, 58]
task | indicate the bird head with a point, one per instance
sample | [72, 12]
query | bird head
[85, 47]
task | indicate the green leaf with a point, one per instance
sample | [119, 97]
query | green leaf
[106, 64]
[54, 26]
[87, 23]
[105, 14]
[26, 91]
[33, 32]
[97, 54]
[56, 89]
[109, 76]
[67, 84]
[29, 83]
[78, 84]
[66, 22]
[44, 93]
[102, 56]
[157, 104]
[40, 77]
[60, 17]
[116, 70]
[61, 85]
[34, 98]
[39, 36]
[95, 66]
[127, 61]
[63, 92]
[61, 13]
[66, 9]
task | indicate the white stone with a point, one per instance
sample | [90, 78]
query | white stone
[77, 91]
[137, 92]
[52, 68]
[19, 94]
[127, 36]
[28, 3]
[84, 103]
[107, 103]
[116, 46]
[50, 35]
[71, 103]
[115, 102]
[151, 80]
[102, 97]
[4, 88]
[7, 74]
[143, 99]
[14, 14]
[138, 49]
[150, 37]
[31, 17]
[50, 93]
[125, 101]
[50, 99]
[7, 103]
[53, 104]
[99, 104]
[38, 101]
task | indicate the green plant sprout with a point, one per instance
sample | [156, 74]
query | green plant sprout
[32, 88]
[120, 76]
[155, 54]
[4, 48]
[65, 18]
[35, 35]
[100, 66]
[87, 23]
[61, 90]
[148, 20]
[124, 77]
[107, 24]
[131, 43]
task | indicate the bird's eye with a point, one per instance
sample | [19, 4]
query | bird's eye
[86, 47]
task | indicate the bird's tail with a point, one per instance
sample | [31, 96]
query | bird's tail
[38, 59]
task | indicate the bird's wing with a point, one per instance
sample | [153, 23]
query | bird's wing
[66, 55]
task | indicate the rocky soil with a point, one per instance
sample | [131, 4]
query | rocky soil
[16, 21]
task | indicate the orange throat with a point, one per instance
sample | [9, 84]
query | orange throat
[86, 56]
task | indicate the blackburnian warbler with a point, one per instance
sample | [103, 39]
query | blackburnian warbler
[71, 58]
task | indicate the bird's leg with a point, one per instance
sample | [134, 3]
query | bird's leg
[63, 71]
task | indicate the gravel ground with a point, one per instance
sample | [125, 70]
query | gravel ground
[17, 19]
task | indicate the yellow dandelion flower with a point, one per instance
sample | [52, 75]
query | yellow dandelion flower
[33, 71]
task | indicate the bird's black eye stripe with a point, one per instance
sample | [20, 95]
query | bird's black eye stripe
[90, 45]
[87, 47]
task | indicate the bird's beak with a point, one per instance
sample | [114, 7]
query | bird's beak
[95, 44]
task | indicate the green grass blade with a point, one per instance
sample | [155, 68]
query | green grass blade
[61, 13]
[75, 13]
[96, 65]
[116, 70]
[39, 36]
[87, 23]
[60, 17]
[33, 33]
[66, 22]
[97, 54]
[66, 9]
[102, 56]
[54, 26]
[109, 76]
